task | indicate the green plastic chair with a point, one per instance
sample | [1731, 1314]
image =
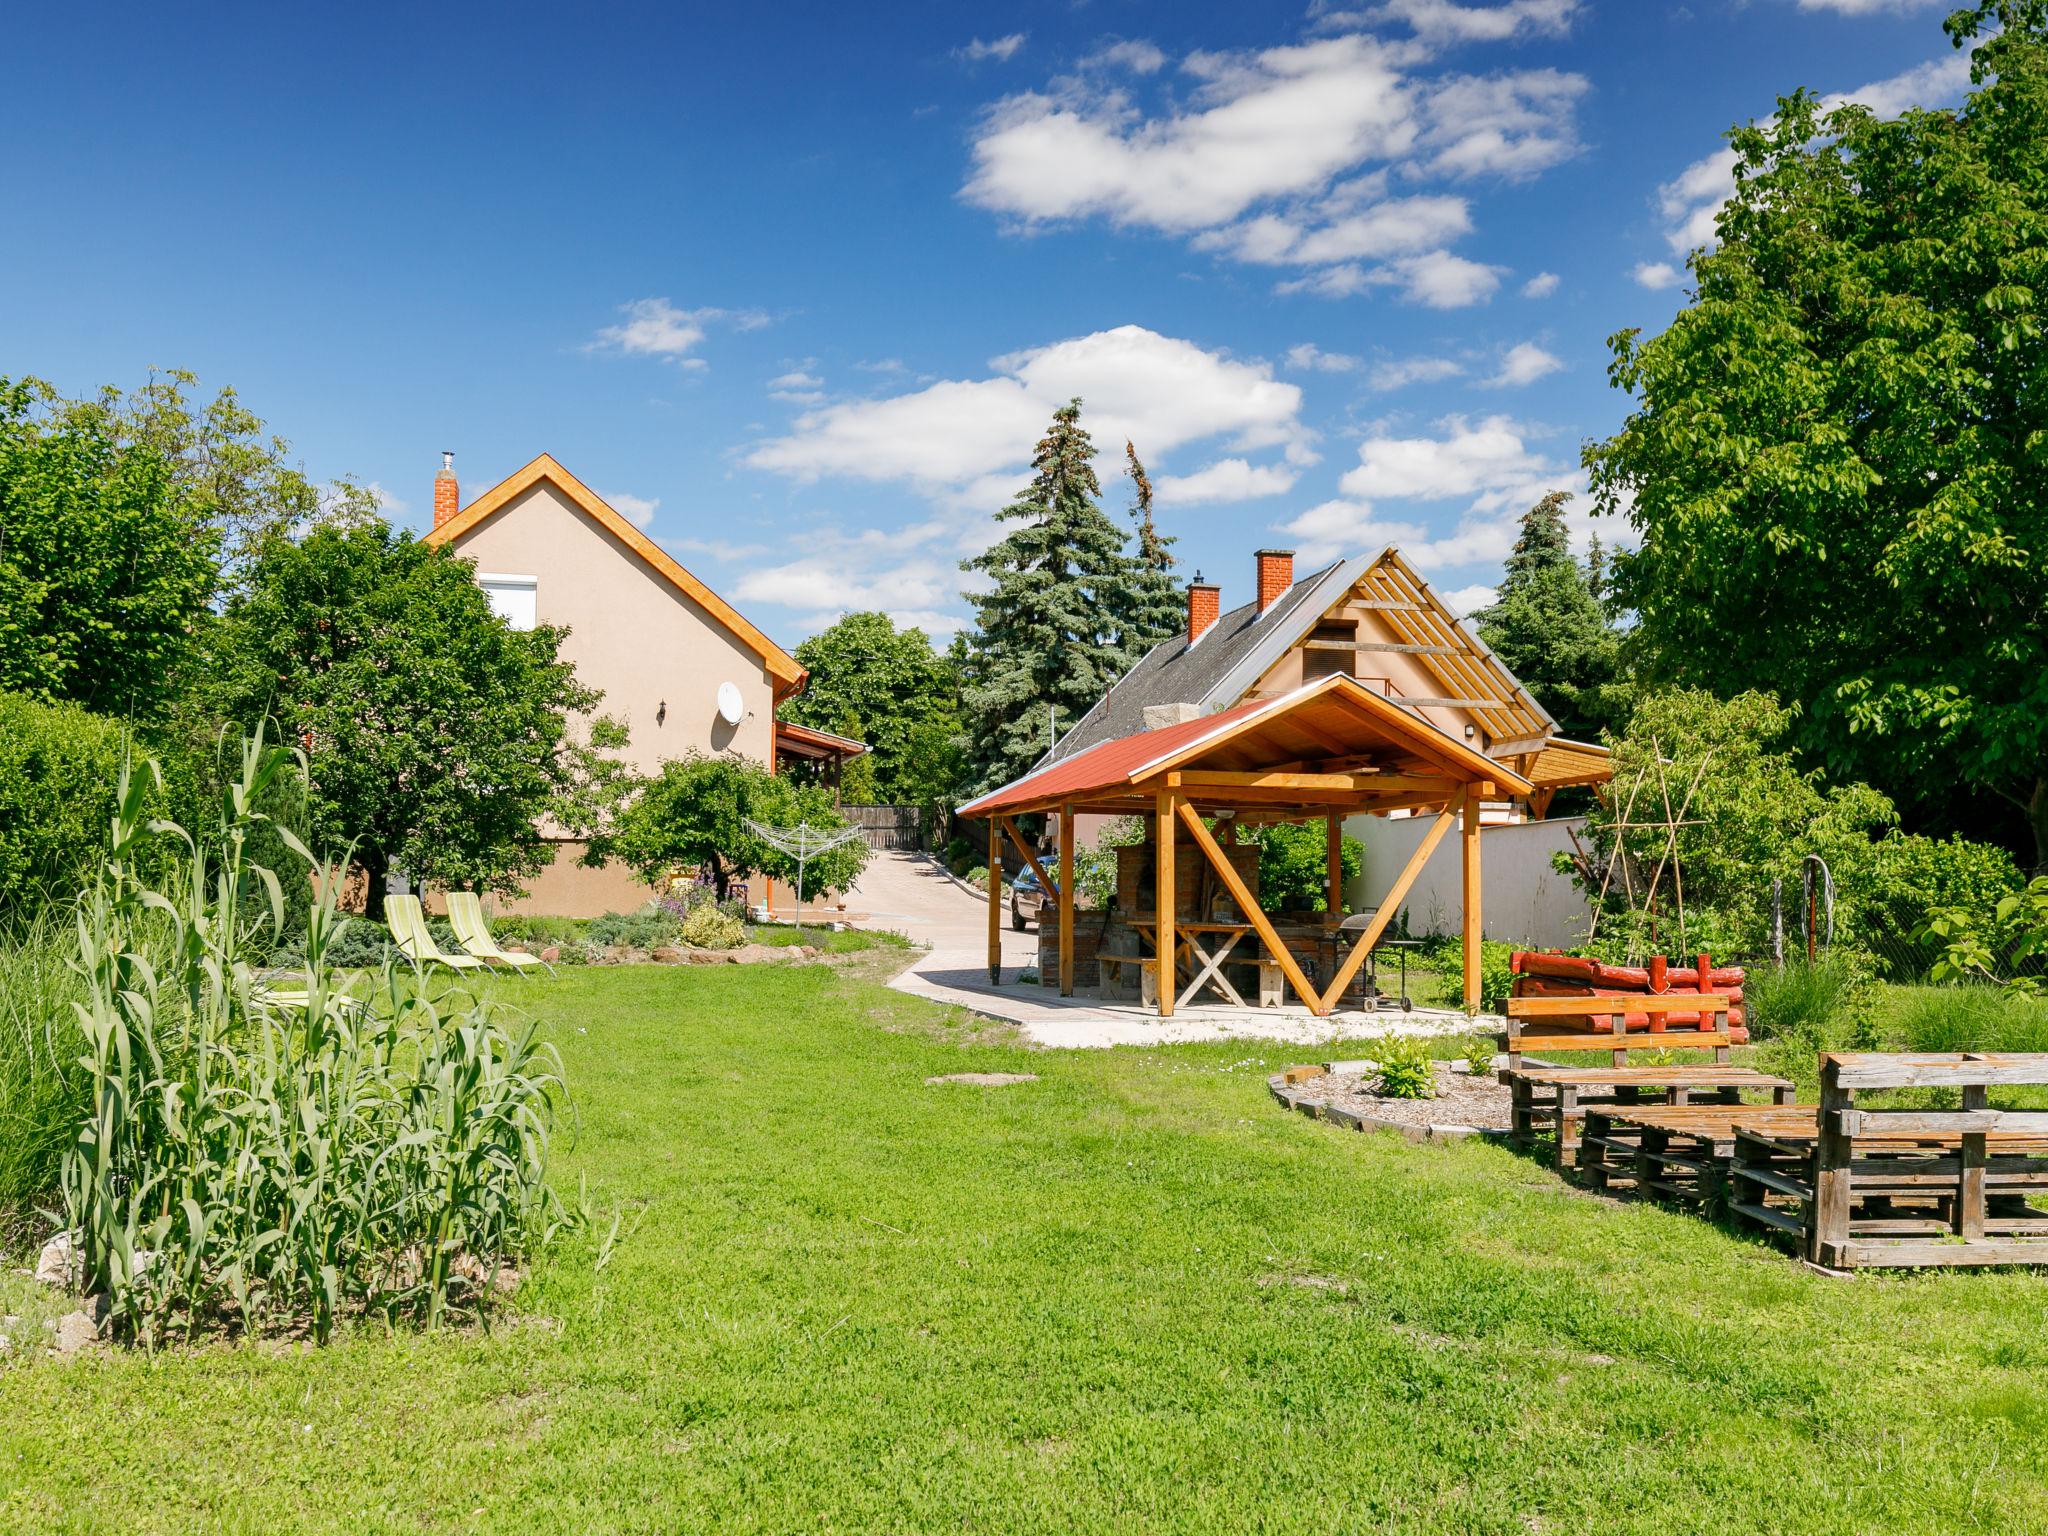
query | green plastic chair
[466, 917]
[408, 920]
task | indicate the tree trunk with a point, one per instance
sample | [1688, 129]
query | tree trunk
[375, 869]
[719, 878]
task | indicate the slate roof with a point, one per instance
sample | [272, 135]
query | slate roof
[1174, 672]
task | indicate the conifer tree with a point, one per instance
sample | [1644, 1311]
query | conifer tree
[1047, 642]
[1152, 598]
[1547, 625]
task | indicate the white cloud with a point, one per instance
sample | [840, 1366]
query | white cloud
[391, 506]
[910, 573]
[1512, 125]
[1399, 373]
[799, 386]
[1310, 358]
[1227, 480]
[1863, 7]
[1541, 286]
[1469, 458]
[1136, 55]
[656, 328]
[1441, 21]
[997, 48]
[1691, 201]
[1469, 600]
[637, 510]
[1657, 274]
[1524, 363]
[967, 441]
[1283, 156]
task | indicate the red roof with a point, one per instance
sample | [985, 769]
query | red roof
[1108, 764]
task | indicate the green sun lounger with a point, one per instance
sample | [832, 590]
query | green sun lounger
[408, 920]
[466, 917]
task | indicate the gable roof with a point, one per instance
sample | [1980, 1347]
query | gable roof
[1334, 717]
[788, 673]
[1175, 672]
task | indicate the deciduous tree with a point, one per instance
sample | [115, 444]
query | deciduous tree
[888, 687]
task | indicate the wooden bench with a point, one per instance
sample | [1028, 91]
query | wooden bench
[1905, 1187]
[1111, 985]
[1678, 1152]
[1550, 1096]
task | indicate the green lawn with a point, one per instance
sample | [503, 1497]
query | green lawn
[1133, 1295]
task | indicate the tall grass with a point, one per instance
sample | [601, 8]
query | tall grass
[274, 1154]
[43, 1090]
[1798, 999]
[1972, 1018]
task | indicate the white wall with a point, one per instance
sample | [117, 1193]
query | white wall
[1525, 901]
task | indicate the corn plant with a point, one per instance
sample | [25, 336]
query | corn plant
[273, 1153]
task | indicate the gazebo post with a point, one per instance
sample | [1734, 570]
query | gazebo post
[995, 901]
[1333, 856]
[1163, 899]
[1066, 901]
[1468, 837]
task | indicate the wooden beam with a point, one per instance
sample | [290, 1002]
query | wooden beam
[1248, 904]
[1491, 704]
[1066, 890]
[1029, 857]
[1383, 646]
[1163, 898]
[1333, 863]
[995, 901]
[1468, 832]
[1539, 803]
[1389, 905]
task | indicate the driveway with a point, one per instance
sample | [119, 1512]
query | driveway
[912, 892]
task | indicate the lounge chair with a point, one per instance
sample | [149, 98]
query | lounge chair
[466, 917]
[408, 920]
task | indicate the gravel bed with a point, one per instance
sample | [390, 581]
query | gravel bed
[1462, 1098]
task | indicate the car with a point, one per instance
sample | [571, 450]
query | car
[1027, 899]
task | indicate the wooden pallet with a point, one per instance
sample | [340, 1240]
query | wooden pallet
[1549, 1103]
[1675, 1152]
[1919, 1188]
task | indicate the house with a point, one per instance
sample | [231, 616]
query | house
[1373, 619]
[678, 665]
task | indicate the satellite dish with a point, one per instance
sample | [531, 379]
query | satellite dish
[732, 709]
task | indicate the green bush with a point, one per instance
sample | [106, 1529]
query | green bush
[537, 933]
[1294, 864]
[58, 764]
[708, 928]
[1800, 999]
[1406, 1071]
[1445, 954]
[1916, 877]
[634, 930]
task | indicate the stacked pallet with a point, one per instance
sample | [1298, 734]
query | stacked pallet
[1543, 973]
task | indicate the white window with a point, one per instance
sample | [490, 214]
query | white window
[511, 597]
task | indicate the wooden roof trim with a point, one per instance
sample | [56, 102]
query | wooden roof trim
[1463, 669]
[788, 672]
[1522, 704]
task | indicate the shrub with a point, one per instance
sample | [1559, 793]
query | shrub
[257, 1162]
[42, 1090]
[710, 928]
[1406, 1071]
[977, 876]
[1445, 954]
[1916, 877]
[537, 932]
[1801, 999]
[1294, 864]
[634, 930]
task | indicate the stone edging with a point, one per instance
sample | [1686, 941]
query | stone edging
[1351, 1120]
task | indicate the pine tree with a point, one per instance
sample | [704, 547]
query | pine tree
[1152, 599]
[1047, 643]
[1547, 625]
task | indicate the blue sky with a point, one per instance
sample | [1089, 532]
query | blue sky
[796, 286]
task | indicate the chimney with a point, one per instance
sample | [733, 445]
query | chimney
[1276, 575]
[447, 496]
[1205, 602]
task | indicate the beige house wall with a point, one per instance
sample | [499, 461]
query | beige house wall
[640, 641]
[1410, 678]
[631, 633]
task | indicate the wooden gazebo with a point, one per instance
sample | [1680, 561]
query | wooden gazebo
[1328, 750]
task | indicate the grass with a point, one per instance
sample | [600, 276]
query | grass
[1131, 1295]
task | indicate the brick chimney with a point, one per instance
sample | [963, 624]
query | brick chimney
[447, 495]
[1276, 575]
[1205, 602]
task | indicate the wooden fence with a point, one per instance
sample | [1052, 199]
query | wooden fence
[888, 826]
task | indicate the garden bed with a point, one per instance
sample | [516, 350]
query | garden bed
[1467, 1103]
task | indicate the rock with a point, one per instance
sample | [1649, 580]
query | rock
[984, 1079]
[629, 955]
[666, 954]
[60, 1263]
[551, 954]
[710, 957]
[76, 1331]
